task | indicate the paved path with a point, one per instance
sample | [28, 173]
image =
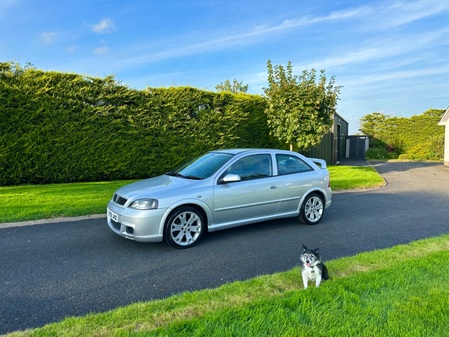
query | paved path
[52, 270]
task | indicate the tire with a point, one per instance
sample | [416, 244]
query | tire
[184, 228]
[312, 209]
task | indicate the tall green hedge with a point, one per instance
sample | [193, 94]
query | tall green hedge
[418, 137]
[62, 127]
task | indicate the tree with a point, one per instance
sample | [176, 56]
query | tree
[234, 88]
[373, 124]
[300, 108]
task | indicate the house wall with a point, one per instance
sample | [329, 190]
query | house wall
[445, 121]
[446, 144]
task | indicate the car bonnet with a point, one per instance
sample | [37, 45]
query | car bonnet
[152, 187]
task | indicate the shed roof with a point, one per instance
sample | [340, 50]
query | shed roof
[445, 119]
[339, 116]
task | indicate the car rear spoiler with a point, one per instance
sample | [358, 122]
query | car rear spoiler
[320, 162]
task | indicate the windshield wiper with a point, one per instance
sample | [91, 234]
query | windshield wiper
[175, 174]
[192, 177]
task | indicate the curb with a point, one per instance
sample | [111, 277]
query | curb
[99, 216]
[52, 220]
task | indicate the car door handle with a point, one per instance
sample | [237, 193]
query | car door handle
[273, 187]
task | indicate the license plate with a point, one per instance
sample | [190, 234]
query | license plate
[112, 215]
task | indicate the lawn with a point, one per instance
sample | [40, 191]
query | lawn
[32, 202]
[400, 291]
[354, 178]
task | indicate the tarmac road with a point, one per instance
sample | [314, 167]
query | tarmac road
[52, 270]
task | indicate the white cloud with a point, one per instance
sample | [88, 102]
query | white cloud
[382, 16]
[101, 50]
[48, 37]
[103, 27]
[388, 77]
[71, 49]
[398, 13]
[253, 35]
[405, 46]
[8, 3]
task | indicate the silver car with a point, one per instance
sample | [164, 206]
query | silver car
[219, 190]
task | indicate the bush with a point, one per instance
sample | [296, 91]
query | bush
[59, 127]
[429, 150]
[418, 137]
[376, 153]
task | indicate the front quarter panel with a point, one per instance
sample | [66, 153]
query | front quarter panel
[202, 205]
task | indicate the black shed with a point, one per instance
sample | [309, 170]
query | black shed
[338, 145]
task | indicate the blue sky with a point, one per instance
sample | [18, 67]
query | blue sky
[389, 56]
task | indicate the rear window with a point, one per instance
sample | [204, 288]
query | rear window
[290, 164]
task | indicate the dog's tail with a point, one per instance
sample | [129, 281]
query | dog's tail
[324, 272]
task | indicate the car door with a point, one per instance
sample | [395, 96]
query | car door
[254, 198]
[296, 178]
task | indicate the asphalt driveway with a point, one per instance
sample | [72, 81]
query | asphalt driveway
[52, 270]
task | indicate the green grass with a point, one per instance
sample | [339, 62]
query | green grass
[32, 202]
[354, 178]
[401, 291]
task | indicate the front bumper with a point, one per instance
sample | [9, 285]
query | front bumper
[137, 225]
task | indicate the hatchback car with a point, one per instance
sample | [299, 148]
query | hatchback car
[218, 190]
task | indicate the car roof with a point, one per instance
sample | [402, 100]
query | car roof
[242, 150]
[231, 151]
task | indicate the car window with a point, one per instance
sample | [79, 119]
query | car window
[202, 167]
[290, 164]
[252, 167]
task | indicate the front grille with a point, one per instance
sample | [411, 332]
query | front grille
[119, 200]
[116, 225]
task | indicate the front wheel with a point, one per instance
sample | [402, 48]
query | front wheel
[312, 209]
[184, 228]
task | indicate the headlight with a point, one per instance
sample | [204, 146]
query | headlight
[144, 204]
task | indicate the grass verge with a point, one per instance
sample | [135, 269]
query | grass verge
[354, 178]
[401, 291]
[33, 202]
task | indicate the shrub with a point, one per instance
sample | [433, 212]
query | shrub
[429, 150]
[376, 153]
[59, 127]
[418, 137]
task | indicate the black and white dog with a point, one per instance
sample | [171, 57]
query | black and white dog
[312, 268]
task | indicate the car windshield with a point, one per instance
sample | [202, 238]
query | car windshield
[202, 167]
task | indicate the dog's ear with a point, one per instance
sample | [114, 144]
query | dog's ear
[304, 246]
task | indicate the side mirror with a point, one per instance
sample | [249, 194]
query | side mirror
[230, 178]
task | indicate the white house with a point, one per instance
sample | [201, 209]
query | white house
[445, 121]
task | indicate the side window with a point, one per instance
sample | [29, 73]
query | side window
[252, 167]
[291, 164]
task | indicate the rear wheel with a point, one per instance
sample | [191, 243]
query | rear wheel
[184, 228]
[312, 209]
